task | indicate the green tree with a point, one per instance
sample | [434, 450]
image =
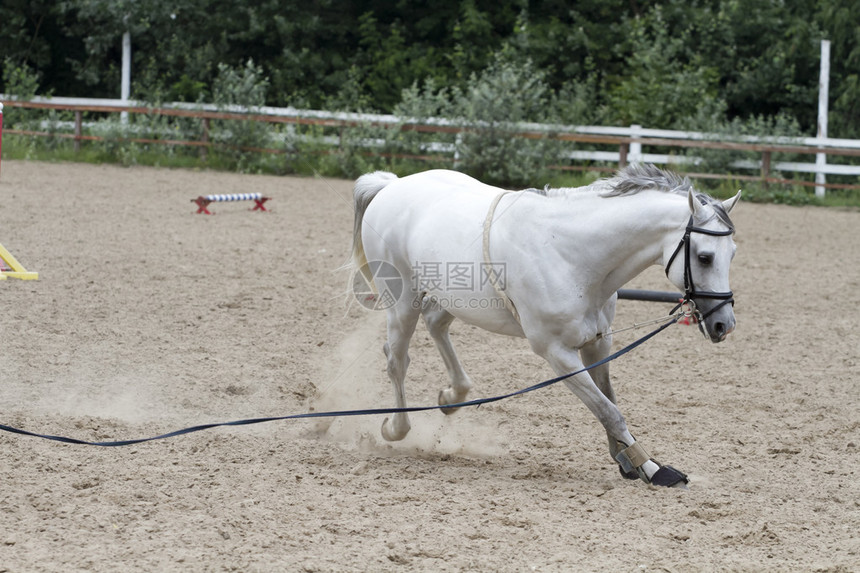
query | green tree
[607, 61]
[665, 83]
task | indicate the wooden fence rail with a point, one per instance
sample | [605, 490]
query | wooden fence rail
[628, 141]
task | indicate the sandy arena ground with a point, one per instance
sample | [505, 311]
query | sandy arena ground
[148, 318]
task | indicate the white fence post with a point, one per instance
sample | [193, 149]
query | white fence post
[635, 154]
[823, 89]
[125, 88]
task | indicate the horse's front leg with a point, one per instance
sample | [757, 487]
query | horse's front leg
[630, 454]
[594, 352]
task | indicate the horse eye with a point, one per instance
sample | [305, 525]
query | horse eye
[706, 259]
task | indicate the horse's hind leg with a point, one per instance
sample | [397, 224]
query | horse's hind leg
[402, 318]
[438, 320]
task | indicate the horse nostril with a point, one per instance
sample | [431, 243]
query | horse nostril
[720, 329]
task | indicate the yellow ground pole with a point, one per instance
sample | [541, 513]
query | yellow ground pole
[12, 268]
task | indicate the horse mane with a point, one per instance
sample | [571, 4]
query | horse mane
[641, 176]
[638, 177]
[632, 179]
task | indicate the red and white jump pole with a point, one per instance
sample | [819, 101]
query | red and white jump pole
[203, 200]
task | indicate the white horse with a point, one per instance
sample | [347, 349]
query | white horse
[545, 265]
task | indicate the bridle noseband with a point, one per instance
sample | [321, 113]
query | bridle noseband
[690, 291]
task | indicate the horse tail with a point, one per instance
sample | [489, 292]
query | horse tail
[366, 188]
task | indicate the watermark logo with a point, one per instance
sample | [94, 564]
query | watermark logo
[378, 285]
[455, 276]
[384, 289]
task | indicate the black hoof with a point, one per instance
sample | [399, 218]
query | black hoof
[628, 475]
[667, 476]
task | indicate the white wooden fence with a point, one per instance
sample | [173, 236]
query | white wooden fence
[630, 142]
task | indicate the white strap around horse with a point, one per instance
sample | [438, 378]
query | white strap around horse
[492, 275]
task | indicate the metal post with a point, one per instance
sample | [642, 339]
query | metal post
[823, 89]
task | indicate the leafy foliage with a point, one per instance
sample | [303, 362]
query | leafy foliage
[727, 66]
[650, 63]
[20, 80]
[506, 93]
[781, 128]
[665, 84]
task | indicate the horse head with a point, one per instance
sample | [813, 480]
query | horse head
[700, 264]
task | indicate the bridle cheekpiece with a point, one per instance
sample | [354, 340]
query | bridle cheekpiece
[690, 291]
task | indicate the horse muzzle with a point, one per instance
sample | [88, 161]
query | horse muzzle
[719, 324]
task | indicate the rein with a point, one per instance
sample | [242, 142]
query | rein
[683, 309]
[690, 293]
[345, 413]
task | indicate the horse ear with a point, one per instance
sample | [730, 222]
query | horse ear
[695, 206]
[729, 203]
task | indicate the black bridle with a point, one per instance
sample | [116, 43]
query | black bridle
[690, 291]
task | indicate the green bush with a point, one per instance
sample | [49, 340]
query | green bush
[21, 82]
[489, 110]
[507, 92]
[244, 86]
[781, 127]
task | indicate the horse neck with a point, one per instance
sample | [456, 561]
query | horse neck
[640, 227]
